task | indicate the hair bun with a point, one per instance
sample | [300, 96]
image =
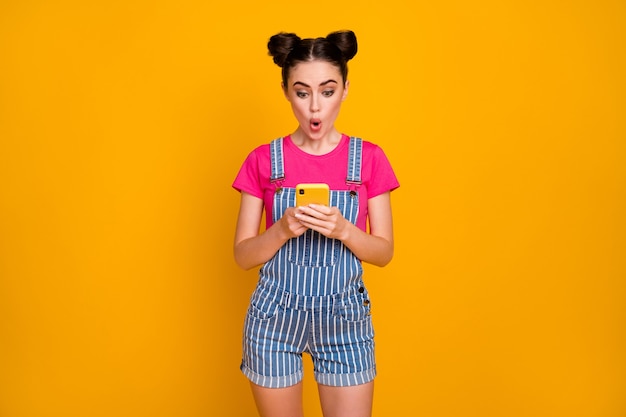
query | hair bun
[280, 45]
[345, 40]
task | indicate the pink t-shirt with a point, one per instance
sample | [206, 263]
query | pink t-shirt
[377, 175]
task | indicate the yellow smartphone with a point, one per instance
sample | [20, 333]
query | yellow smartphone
[312, 193]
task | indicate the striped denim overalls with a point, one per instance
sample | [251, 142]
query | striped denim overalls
[310, 298]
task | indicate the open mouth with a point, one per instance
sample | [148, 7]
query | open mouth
[316, 124]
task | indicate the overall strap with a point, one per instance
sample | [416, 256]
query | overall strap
[277, 161]
[355, 156]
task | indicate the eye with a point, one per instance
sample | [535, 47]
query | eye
[302, 94]
[328, 93]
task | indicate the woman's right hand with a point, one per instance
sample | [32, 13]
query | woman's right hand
[290, 225]
[251, 248]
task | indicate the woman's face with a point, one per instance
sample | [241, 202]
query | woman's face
[316, 90]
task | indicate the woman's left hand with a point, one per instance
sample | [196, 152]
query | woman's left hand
[327, 220]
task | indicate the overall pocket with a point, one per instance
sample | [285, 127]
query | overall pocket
[263, 305]
[355, 307]
[313, 249]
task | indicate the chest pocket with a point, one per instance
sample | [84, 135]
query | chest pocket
[312, 249]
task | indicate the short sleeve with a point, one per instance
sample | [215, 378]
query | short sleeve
[249, 177]
[381, 177]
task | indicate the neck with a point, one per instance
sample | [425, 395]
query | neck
[316, 146]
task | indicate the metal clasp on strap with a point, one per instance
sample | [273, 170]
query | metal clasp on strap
[278, 184]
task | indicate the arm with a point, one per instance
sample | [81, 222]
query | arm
[375, 247]
[251, 248]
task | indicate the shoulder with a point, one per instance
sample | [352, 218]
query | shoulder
[370, 146]
[375, 159]
[261, 149]
[258, 154]
[372, 151]
[253, 171]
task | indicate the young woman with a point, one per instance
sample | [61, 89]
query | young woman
[310, 296]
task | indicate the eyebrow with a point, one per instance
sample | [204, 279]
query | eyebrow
[308, 86]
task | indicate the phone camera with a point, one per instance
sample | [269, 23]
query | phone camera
[301, 191]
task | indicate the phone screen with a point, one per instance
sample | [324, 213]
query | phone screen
[312, 193]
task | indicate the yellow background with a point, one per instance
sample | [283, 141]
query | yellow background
[123, 124]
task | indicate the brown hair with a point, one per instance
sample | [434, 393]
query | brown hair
[287, 50]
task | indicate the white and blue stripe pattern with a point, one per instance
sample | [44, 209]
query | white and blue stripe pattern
[335, 330]
[313, 264]
[310, 298]
[354, 161]
[276, 152]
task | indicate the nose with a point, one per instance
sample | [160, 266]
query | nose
[315, 106]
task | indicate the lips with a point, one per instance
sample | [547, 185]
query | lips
[316, 124]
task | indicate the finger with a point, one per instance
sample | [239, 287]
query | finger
[321, 208]
[310, 217]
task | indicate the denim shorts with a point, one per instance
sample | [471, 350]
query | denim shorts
[336, 330]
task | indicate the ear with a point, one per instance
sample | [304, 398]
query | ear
[282, 86]
[345, 90]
